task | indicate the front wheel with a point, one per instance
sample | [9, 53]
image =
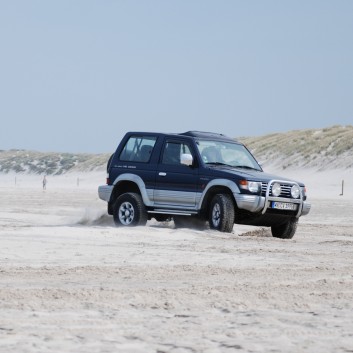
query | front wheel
[129, 210]
[222, 213]
[285, 230]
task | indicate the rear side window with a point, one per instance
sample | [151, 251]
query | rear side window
[138, 149]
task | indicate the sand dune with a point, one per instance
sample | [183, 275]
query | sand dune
[325, 149]
[72, 282]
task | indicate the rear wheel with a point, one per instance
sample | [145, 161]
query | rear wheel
[129, 210]
[222, 213]
[285, 230]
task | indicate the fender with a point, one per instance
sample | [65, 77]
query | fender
[219, 182]
[145, 194]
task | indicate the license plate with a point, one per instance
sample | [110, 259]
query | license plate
[284, 206]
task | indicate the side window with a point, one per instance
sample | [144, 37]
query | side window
[138, 149]
[173, 151]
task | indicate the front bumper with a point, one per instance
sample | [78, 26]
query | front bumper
[260, 204]
[252, 203]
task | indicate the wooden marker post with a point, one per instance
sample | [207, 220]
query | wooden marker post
[342, 188]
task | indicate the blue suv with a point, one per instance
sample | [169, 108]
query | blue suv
[197, 178]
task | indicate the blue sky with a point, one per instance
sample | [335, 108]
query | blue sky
[76, 75]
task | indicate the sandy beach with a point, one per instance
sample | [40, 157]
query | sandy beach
[72, 282]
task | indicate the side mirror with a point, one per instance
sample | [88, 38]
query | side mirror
[186, 159]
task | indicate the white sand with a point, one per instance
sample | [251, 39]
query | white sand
[71, 282]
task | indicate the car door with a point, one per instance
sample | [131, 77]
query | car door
[176, 184]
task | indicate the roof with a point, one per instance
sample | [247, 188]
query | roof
[207, 135]
[190, 134]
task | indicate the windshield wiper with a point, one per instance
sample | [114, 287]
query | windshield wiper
[219, 163]
[245, 167]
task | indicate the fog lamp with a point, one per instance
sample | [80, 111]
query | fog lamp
[276, 189]
[295, 191]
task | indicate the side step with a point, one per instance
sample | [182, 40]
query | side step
[173, 212]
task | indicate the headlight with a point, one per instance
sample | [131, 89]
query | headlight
[253, 186]
[276, 189]
[295, 191]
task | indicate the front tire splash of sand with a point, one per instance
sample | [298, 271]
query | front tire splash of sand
[95, 217]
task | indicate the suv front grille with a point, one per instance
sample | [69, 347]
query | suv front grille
[285, 190]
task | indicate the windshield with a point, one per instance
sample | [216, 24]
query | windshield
[226, 153]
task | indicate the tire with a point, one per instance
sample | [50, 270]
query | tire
[285, 230]
[222, 213]
[129, 210]
[189, 222]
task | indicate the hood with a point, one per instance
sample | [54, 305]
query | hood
[249, 174]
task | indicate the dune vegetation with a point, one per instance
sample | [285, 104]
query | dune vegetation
[317, 149]
[32, 162]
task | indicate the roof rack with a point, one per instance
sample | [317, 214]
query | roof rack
[204, 134]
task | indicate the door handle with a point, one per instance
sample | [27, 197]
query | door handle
[162, 174]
